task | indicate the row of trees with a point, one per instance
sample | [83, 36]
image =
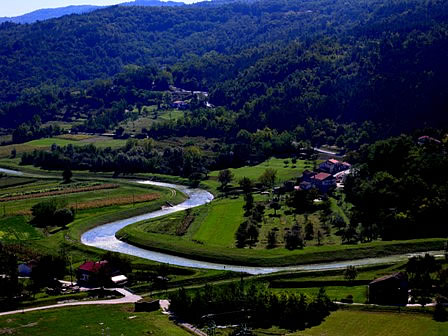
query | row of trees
[255, 306]
[136, 156]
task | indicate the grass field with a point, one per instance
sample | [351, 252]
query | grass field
[183, 246]
[148, 118]
[16, 229]
[285, 172]
[335, 293]
[342, 323]
[62, 140]
[211, 237]
[115, 320]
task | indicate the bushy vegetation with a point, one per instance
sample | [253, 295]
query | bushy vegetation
[399, 190]
[235, 302]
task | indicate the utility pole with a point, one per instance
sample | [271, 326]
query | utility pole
[71, 269]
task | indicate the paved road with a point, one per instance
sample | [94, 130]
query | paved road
[323, 151]
[128, 298]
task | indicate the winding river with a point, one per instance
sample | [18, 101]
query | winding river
[103, 237]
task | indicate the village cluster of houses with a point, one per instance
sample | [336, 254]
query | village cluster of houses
[182, 97]
[325, 179]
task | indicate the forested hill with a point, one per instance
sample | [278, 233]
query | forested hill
[48, 13]
[365, 59]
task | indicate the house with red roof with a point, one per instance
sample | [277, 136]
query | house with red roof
[322, 181]
[90, 272]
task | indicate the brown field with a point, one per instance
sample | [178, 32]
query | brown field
[74, 137]
[59, 192]
[116, 201]
[104, 202]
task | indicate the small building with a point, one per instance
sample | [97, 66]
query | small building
[425, 139]
[324, 182]
[333, 166]
[26, 269]
[305, 185]
[389, 290]
[89, 272]
[180, 104]
[119, 280]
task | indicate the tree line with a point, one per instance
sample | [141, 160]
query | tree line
[250, 304]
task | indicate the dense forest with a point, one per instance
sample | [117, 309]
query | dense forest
[272, 63]
[398, 185]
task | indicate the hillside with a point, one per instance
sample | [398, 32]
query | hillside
[378, 60]
[48, 13]
[52, 13]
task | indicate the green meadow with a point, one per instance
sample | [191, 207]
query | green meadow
[359, 323]
[285, 171]
[62, 140]
[113, 320]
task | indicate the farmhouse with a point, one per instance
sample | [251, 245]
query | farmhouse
[333, 166]
[390, 290]
[90, 272]
[322, 181]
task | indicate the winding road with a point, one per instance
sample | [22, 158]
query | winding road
[103, 237]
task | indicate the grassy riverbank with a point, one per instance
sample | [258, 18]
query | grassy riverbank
[181, 246]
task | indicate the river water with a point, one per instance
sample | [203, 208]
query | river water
[103, 237]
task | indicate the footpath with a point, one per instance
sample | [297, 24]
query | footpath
[128, 297]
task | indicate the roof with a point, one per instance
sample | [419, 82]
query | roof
[395, 276]
[428, 138]
[93, 266]
[322, 176]
[308, 173]
[118, 278]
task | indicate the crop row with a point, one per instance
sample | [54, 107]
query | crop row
[100, 203]
[62, 191]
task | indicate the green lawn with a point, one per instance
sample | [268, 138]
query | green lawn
[45, 143]
[115, 320]
[343, 323]
[217, 226]
[148, 118]
[16, 229]
[335, 293]
[285, 172]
